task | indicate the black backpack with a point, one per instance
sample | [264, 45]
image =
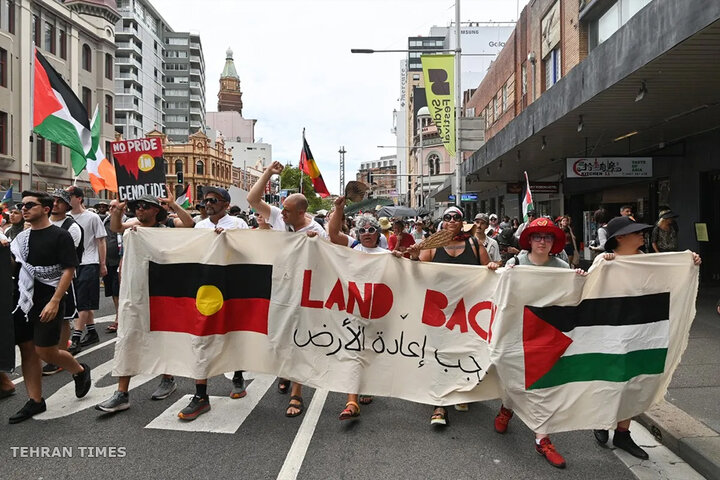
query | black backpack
[67, 223]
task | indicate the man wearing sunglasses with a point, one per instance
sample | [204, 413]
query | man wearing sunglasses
[291, 218]
[149, 213]
[47, 259]
[216, 202]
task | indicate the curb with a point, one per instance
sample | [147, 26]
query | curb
[685, 436]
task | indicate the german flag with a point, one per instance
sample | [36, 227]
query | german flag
[209, 299]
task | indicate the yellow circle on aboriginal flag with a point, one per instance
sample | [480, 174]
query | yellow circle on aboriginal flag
[146, 162]
[209, 300]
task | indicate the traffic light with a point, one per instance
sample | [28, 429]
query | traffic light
[180, 178]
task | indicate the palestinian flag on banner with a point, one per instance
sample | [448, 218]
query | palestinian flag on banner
[58, 114]
[185, 200]
[608, 339]
[308, 165]
[527, 203]
[100, 170]
[206, 300]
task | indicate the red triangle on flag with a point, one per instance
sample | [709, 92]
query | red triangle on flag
[543, 345]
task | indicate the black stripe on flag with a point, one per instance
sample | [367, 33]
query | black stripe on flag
[234, 280]
[75, 107]
[611, 311]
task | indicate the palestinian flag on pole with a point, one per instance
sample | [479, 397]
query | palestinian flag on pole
[308, 165]
[100, 170]
[58, 114]
[204, 300]
[527, 203]
[610, 339]
[185, 200]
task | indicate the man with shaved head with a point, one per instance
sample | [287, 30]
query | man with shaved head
[291, 218]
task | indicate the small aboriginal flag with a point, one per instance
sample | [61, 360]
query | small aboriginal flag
[309, 166]
[209, 299]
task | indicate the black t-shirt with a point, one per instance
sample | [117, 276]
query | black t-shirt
[50, 251]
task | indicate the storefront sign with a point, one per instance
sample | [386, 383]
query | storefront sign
[609, 167]
[140, 168]
[535, 187]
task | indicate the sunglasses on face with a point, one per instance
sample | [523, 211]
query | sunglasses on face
[367, 230]
[537, 237]
[452, 217]
[27, 205]
[144, 205]
[211, 200]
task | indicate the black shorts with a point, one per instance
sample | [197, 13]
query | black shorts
[30, 328]
[112, 282]
[71, 311]
[87, 287]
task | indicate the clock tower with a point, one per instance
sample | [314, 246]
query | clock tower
[229, 96]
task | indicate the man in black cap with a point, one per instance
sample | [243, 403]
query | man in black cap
[149, 212]
[531, 216]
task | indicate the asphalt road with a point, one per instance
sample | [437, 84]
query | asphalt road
[391, 439]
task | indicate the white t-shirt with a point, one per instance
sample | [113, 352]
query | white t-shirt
[227, 222]
[278, 224]
[493, 249]
[74, 230]
[418, 236]
[359, 247]
[383, 242]
[93, 229]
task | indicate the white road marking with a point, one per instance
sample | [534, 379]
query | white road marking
[84, 352]
[63, 402]
[296, 454]
[662, 464]
[225, 416]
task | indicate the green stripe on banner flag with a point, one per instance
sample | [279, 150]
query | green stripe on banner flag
[587, 367]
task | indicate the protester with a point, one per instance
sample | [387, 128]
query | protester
[491, 245]
[418, 233]
[601, 217]
[463, 249]
[111, 281]
[492, 228]
[101, 208]
[385, 228]
[17, 224]
[216, 202]
[149, 213]
[507, 243]
[570, 248]
[540, 240]
[531, 217]
[626, 211]
[202, 215]
[664, 237]
[92, 267]
[291, 218]
[47, 260]
[59, 218]
[400, 240]
[626, 237]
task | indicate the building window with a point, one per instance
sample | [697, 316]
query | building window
[55, 153]
[40, 146]
[552, 68]
[50, 37]
[3, 67]
[498, 107]
[178, 166]
[108, 109]
[63, 45]
[434, 164]
[7, 16]
[505, 97]
[199, 168]
[614, 17]
[4, 133]
[86, 57]
[86, 98]
[36, 30]
[109, 64]
[523, 79]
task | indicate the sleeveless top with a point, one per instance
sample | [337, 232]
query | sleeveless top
[467, 257]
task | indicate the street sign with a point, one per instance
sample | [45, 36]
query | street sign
[465, 197]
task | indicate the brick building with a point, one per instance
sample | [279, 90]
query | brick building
[382, 186]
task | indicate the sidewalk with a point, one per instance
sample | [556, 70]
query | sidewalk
[688, 422]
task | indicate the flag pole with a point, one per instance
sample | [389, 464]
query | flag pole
[301, 167]
[33, 153]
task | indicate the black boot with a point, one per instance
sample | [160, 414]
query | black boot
[601, 436]
[624, 441]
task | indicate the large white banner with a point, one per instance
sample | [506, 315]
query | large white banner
[572, 352]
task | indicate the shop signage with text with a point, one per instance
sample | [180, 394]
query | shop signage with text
[609, 167]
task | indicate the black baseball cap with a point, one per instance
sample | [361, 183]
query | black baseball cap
[218, 191]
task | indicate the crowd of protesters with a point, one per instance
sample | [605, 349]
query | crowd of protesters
[62, 250]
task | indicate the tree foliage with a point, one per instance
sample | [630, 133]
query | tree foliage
[290, 180]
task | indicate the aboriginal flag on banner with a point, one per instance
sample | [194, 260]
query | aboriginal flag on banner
[7, 335]
[206, 300]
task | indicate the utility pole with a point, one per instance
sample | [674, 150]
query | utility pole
[342, 153]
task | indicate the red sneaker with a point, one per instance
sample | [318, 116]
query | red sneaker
[547, 450]
[502, 419]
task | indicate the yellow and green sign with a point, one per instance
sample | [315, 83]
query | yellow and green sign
[439, 72]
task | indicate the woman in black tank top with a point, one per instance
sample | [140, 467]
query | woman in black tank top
[460, 251]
